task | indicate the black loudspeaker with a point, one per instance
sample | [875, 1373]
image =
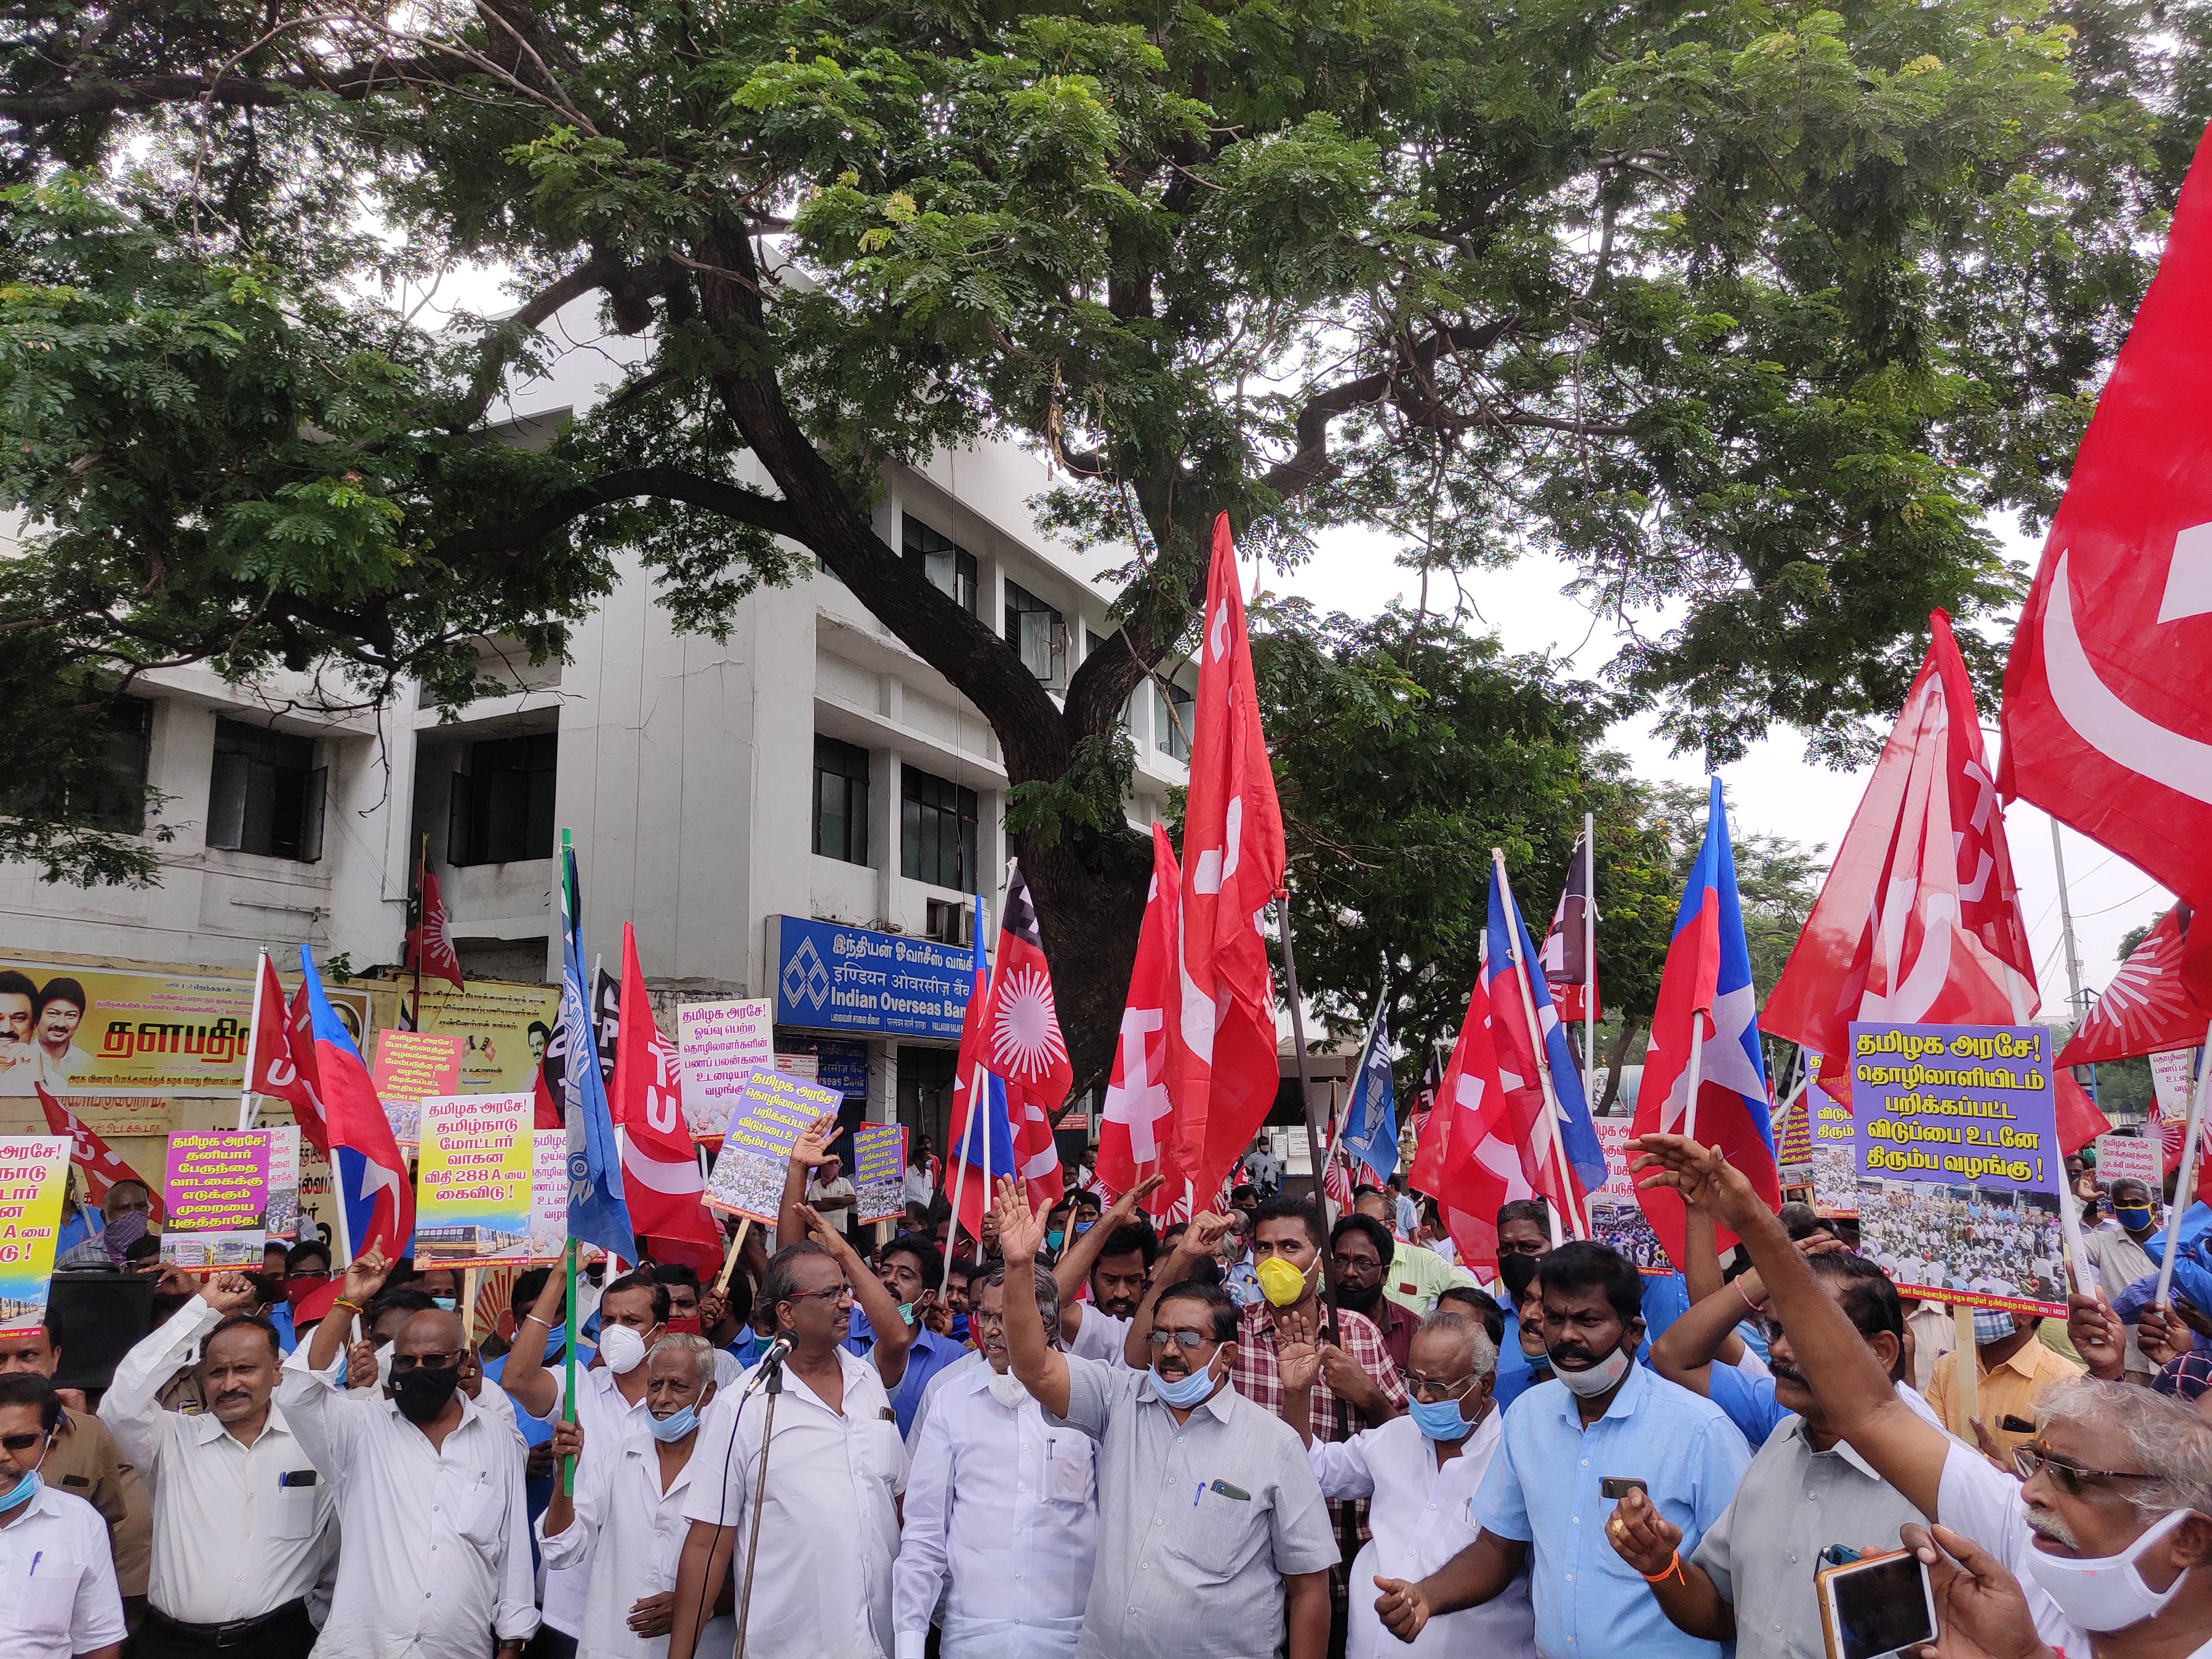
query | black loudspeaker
[99, 1317]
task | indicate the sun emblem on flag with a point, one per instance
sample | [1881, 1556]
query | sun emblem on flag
[1026, 1042]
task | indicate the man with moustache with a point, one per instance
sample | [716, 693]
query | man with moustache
[245, 1528]
[1359, 1250]
[434, 1560]
[19, 1013]
[1115, 1260]
[59, 1600]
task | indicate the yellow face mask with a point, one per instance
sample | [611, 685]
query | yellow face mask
[1279, 1282]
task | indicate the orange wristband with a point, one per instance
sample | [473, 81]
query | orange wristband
[1672, 1570]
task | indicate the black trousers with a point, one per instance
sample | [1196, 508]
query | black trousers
[285, 1634]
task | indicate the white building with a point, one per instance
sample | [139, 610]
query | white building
[810, 769]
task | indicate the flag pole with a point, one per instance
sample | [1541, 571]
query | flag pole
[568, 1360]
[1305, 1096]
[959, 1141]
[422, 918]
[1536, 1040]
[252, 1040]
[1590, 961]
[2185, 1187]
[1697, 1074]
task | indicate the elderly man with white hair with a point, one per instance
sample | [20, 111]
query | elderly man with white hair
[624, 1528]
[999, 1504]
[1421, 1472]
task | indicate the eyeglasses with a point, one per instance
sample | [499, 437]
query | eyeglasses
[1188, 1341]
[977, 1316]
[834, 1293]
[2069, 1477]
[20, 1442]
[1344, 1263]
[1430, 1388]
[404, 1362]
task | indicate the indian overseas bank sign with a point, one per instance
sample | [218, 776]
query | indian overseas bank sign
[831, 977]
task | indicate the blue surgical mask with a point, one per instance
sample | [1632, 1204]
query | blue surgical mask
[674, 1425]
[1184, 1391]
[1439, 1419]
[444, 1303]
[960, 1327]
[25, 1490]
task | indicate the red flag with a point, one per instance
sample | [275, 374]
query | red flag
[1485, 1141]
[1564, 961]
[1222, 1071]
[283, 1060]
[1027, 1052]
[1138, 1120]
[102, 1168]
[376, 1201]
[1918, 919]
[430, 941]
[660, 1164]
[993, 1141]
[2108, 694]
[2079, 1122]
[2147, 1009]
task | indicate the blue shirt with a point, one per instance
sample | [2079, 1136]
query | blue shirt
[280, 1315]
[746, 1350]
[930, 1354]
[1748, 1401]
[1666, 1299]
[1542, 1489]
[1513, 1376]
[1242, 1283]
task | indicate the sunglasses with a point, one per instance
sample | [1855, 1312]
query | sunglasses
[20, 1442]
[2069, 1477]
[1188, 1341]
[404, 1362]
[1429, 1388]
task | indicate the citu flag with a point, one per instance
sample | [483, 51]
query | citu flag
[1432, 1128]
[1222, 1069]
[2107, 714]
[1517, 1046]
[660, 1162]
[376, 1204]
[2148, 1009]
[1487, 1143]
[429, 947]
[283, 1060]
[1026, 1049]
[101, 1165]
[1137, 1119]
[983, 1137]
[1918, 921]
[599, 1212]
[1706, 990]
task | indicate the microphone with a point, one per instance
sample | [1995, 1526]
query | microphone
[771, 1363]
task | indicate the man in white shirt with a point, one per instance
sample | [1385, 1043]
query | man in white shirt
[624, 1528]
[1421, 1472]
[57, 1595]
[833, 1196]
[433, 1559]
[245, 1526]
[829, 1531]
[1000, 1502]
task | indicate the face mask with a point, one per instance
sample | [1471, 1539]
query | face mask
[906, 1313]
[960, 1327]
[1280, 1283]
[1991, 1325]
[622, 1348]
[25, 1490]
[2134, 1216]
[1007, 1389]
[422, 1393]
[1052, 1239]
[683, 1325]
[2105, 1593]
[1587, 1384]
[297, 1290]
[445, 1303]
[1184, 1391]
[674, 1425]
[1439, 1419]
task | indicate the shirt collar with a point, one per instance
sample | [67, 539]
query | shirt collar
[208, 1428]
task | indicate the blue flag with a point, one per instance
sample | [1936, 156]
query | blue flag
[1370, 1121]
[599, 1213]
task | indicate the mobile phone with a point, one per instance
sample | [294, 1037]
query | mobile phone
[2012, 1424]
[1876, 1606]
[1618, 1486]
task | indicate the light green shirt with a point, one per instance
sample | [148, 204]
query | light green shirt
[1417, 1276]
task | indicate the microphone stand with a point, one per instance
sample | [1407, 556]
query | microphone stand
[773, 1386]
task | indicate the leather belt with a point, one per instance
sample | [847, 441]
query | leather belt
[231, 1634]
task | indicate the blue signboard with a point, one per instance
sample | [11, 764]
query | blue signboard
[831, 977]
[844, 1066]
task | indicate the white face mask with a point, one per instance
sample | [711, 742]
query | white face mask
[1007, 1389]
[622, 1348]
[2105, 1593]
[1595, 1379]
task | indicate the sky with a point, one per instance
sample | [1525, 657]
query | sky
[1774, 789]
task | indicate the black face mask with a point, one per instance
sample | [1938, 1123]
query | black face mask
[1360, 1302]
[422, 1393]
[1518, 1272]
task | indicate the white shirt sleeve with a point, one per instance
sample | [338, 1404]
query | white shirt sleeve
[96, 1617]
[516, 1620]
[1340, 1466]
[1975, 1500]
[574, 1547]
[918, 1576]
[328, 1421]
[131, 1407]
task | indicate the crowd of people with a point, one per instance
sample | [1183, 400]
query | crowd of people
[840, 1451]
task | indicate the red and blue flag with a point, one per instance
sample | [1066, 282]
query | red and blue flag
[1513, 956]
[984, 1138]
[376, 1204]
[1707, 982]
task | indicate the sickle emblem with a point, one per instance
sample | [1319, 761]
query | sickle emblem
[2121, 734]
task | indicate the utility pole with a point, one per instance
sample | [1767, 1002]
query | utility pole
[2075, 1000]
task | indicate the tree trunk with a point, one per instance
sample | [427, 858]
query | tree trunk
[1619, 1058]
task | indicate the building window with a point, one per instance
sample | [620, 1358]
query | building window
[948, 922]
[1173, 710]
[840, 800]
[1037, 632]
[950, 567]
[116, 801]
[265, 794]
[501, 810]
[937, 830]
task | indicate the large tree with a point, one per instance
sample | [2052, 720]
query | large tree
[1748, 308]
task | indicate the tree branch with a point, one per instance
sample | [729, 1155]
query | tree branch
[665, 483]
